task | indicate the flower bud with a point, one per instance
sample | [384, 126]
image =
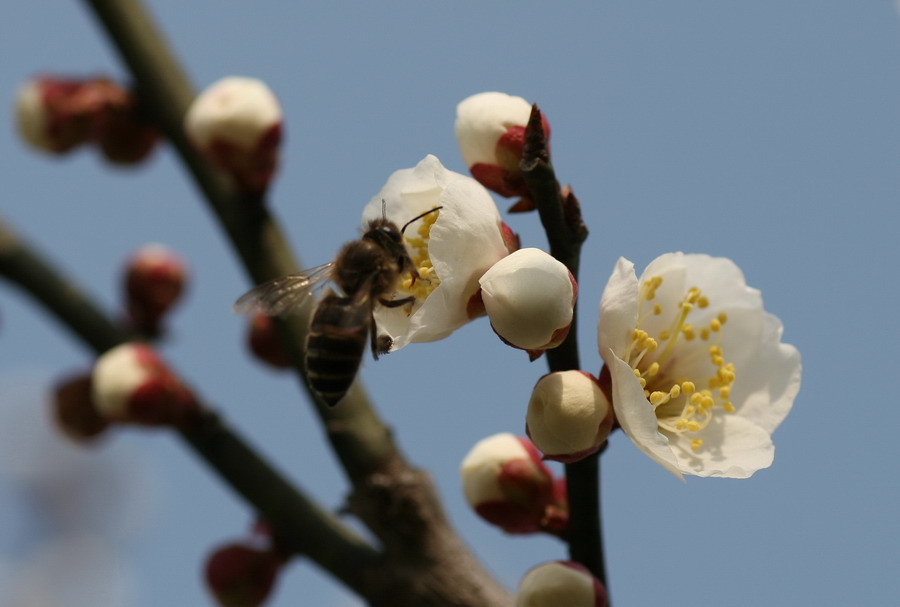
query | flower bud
[242, 576]
[529, 297]
[132, 384]
[56, 115]
[569, 416]
[74, 410]
[559, 583]
[236, 124]
[506, 483]
[51, 116]
[154, 281]
[265, 344]
[490, 130]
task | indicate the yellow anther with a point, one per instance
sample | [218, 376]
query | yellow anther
[702, 301]
[651, 344]
[688, 331]
[693, 294]
[687, 306]
[664, 336]
[704, 334]
[689, 410]
[643, 382]
[639, 335]
[681, 425]
[693, 426]
[722, 317]
[688, 387]
[657, 309]
[637, 372]
[652, 370]
[675, 391]
[707, 402]
[657, 397]
[718, 361]
[728, 406]
[696, 398]
[696, 444]
[647, 393]
[416, 243]
[724, 392]
[715, 325]
[715, 351]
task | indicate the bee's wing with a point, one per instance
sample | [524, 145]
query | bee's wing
[281, 295]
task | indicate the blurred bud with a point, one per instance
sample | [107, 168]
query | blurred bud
[74, 410]
[506, 483]
[241, 576]
[490, 130]
[569, 416]
[236, 123]
[154, 281]
[51, 115]
[529, 297]
[265, 344]
[558, 584]
[57, 114]
[132, 384]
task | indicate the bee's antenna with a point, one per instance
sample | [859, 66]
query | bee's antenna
[383, 209]
[417, 217]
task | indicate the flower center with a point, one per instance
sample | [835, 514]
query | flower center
[427, 280]
[683, 404]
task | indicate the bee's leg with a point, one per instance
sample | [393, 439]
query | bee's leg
[396, 303]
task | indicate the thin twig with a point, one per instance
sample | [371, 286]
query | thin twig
[301, 526]
[560, 215]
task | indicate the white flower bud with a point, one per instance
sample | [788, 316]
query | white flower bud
[154, 281]
[506, 483]
[559, 583]
[529, 297]
[236, 123]
[569, 416]
[132, 384]
[51, 114]
[490, 130]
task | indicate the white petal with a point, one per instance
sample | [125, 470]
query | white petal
[733, 447]
[636, 417]
[556, 585]
[618, 310]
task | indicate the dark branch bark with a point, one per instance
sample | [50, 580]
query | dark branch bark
[560, 215]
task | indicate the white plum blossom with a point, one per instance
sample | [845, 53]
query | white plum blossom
[451, 248]
[490, 130]
[700, 378]
[529, 297]
[560, 583]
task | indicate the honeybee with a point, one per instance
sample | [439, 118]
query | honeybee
[365, 272]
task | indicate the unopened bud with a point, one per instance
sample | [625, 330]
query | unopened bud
[154, 281]
[490, 130]
[529, 297]
[58, 114]
[51, 116]
[558, 584]
[74, 410]
[569, 416]
[242, 576]
[506, 483]
[236, 123]
[132, 384]
[265, 344]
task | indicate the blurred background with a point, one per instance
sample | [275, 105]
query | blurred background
[765, 131]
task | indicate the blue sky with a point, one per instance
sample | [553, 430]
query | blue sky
[764, 131]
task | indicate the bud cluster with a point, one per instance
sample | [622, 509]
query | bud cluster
[56, 115]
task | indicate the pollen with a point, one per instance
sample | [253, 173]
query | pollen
[425, 279]
[687, 381]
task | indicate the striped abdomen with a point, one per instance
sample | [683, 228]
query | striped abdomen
[334, 349]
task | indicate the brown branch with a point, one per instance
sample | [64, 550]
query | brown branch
[301, 526]
[386, 489]
[560, 215]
